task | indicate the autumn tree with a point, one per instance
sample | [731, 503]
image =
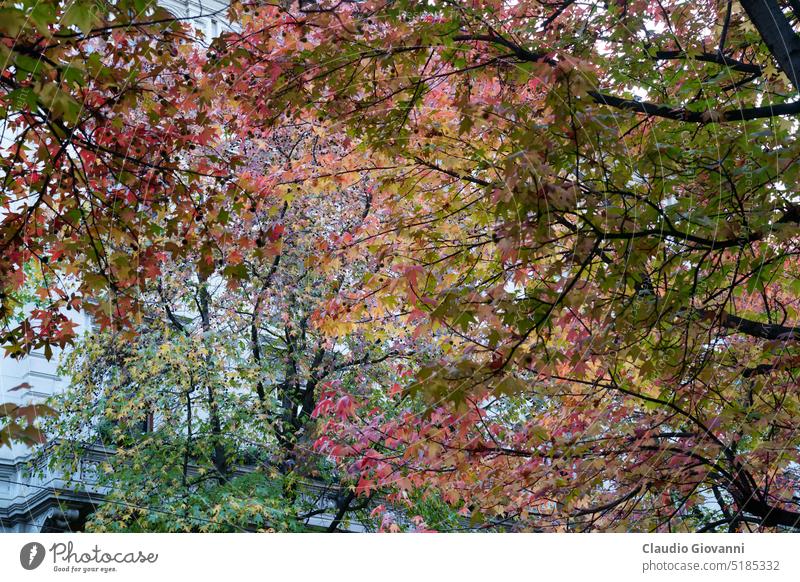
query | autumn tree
[97, 127]
[200, 416]
[580, 213]
[588, 207]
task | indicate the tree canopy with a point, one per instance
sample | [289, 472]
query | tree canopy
[565, 231]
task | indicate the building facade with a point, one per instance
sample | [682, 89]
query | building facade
[30, 502]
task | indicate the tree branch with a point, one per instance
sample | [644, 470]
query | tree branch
[683, 114]
[717, 58]
[776, 32]
[768, 331]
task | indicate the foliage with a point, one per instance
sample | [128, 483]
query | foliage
[574, 220]
[198, 418]
[587, 211]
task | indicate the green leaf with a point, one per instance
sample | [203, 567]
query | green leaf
[80, 14]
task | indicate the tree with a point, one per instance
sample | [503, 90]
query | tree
[589, 210]
[580, 214]
[200, 416]
[83, 87]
